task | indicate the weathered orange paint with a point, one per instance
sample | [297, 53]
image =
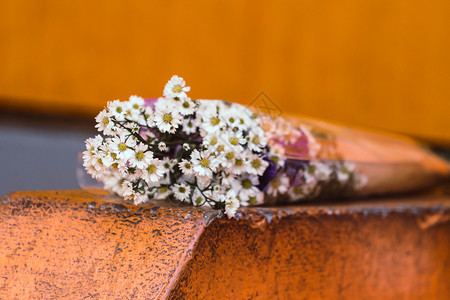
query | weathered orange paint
[375, 63]
[79, 244]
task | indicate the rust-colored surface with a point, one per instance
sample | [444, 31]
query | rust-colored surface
[75, 244]
[78, 244]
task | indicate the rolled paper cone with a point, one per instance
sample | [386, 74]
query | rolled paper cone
[390, 163]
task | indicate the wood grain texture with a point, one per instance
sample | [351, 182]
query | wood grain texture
[374, 63]
[79, 244]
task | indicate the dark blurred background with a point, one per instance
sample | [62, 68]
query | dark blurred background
[381, 64]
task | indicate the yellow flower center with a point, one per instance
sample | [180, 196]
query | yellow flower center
[275, 183]
[187, 165]
[213, 141]
[151, 169]
[215, 121]
[135, 106]
[229, 155]
[122, 147]
[186, 105]
[234, 141]
[177, 89]
[118, 109]
[256, 163]
[167, 118]
[220, 148]
[181, 189]
[238, 162]
[255, 140]
[246, 183]
[140, 155]
[105, 121]
[198, 200]
[204, 162]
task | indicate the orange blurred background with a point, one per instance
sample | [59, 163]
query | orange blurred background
[377, 63]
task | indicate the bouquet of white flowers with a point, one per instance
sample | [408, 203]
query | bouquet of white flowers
[214, 153]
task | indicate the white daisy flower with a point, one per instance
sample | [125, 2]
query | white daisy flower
[186, 107]
[126, 190]
[104, 122]
[167, 119]
[231, 203]
[197, 197]
[234, 139]
[240, 164]
[245, 187]
[278, 185]
[310, 185]
[231, 117]
[162, 193]
[117, 109]
[101, 161]
[204, 163]
[321, 171]
[296, 193]
[112, 183]
[211, 122]
[139, 198]
[256, 140]
[122, 146]
[256, 199]
[154, 171]
[244, 122]
[257, 165]
[277, 159]
[343, 172]
[133, 174]
[181, 191]
[226, 178]
[168, 164]
[228, 156]
[176, 88]
[186, 167]
[120, 167]
[88, 157]
[92, 145]
[210, 140]
[141, 157]
[162, 147]
[91, 170]
[189, 126]
[136, 102]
